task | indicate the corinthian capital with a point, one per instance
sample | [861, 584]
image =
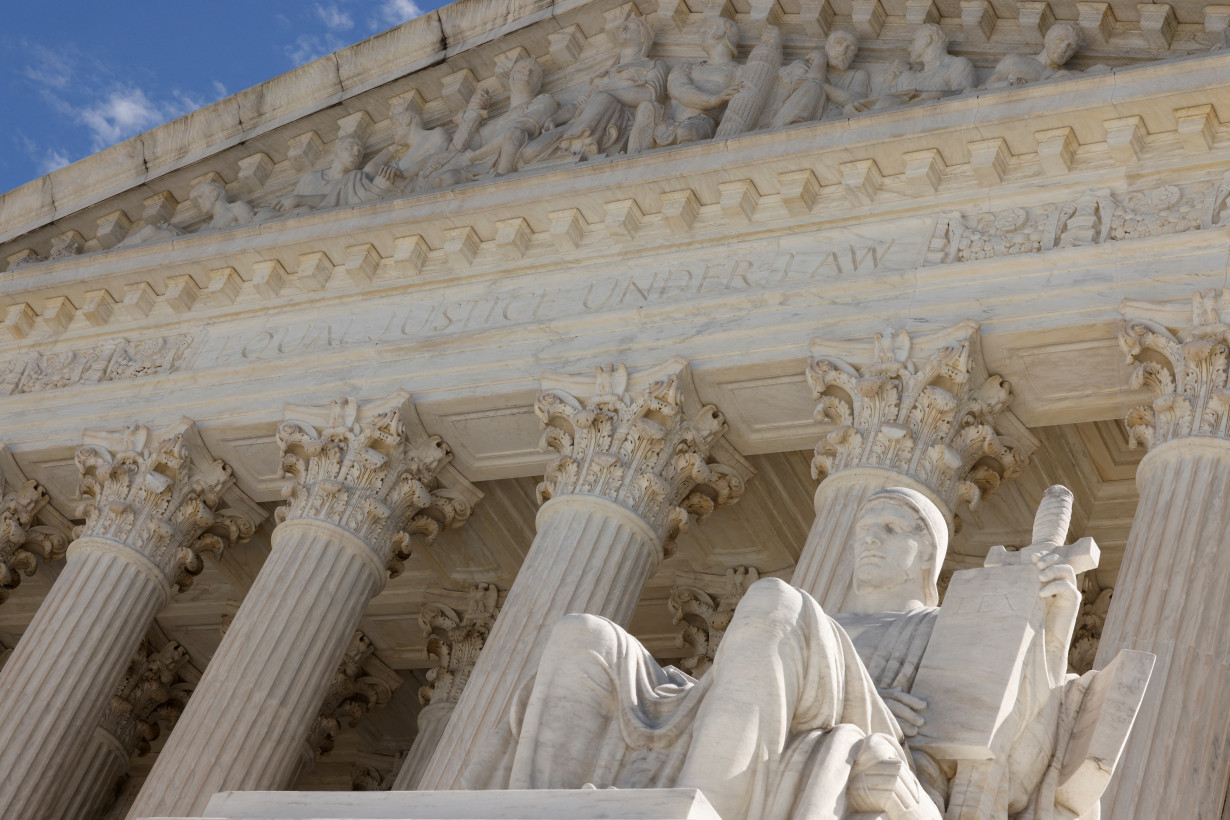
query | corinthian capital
[454, 641]
[921, 405]
[371, 469]
[361, 683]
[636, 445]
[29, 527]
[1181, 358]
[160, 493]
[149, 695]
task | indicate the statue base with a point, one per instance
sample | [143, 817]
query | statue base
[545, 804]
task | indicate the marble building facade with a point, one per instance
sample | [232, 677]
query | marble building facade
[324, 403]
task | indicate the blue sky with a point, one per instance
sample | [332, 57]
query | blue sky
[78, 76]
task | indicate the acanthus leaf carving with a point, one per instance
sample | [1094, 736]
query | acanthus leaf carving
[1185, 371]
[354, 466]
[454, 641]
[150, 697]
[360, 683]
[930, 417]
[703, 613]
[159, 492]
[636, 448]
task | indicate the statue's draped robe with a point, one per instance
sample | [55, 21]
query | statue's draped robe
[771, 731]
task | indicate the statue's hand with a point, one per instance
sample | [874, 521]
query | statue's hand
[1056, 578]
[906, 708]
[882, 784]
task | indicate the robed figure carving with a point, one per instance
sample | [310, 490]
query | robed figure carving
[808, 717]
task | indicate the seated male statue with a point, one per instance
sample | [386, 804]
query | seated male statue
[801, 716]
[345, 181]
[1061, 43]
[938, 74]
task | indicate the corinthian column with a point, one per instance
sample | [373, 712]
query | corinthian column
[150, 509]
[364, 478]
[1170, 597]
[919, 411]
[454, 641]
[631, 466]
[148, 696]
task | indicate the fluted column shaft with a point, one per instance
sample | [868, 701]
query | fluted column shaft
[589, 555]
[826, 566]
[250, 714]
[431, 724]
[85, 788]
[56, 684]
[1172, 598]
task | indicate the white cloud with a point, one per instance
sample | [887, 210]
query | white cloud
[127, 111]
[51, 160]
[53, 69]
[396, 12]
[334, 18]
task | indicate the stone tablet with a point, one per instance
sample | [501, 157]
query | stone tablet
[973, 664]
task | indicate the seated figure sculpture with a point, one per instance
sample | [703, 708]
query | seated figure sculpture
[344, 182]
[801, 716]
[1061, 43]
[939, 74]
[697, 90]
[604, 118]
[823, 80]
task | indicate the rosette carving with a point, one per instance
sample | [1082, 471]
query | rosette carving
[638, 449]
[454, 642]
[159, 493]
[22, 539]
[1185, 371]
[352, 465]
[149, 697]
[930, 417]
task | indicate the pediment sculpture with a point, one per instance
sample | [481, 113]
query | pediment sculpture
[900, 708]
[638, 102]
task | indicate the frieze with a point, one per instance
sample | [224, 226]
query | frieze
[116, 361]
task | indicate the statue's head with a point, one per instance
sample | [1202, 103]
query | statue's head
[406, 122]
[636, 34]
[721, 36]
[840, 48]
[1061, 42]
[525, 77]
[206, 194]
[929, 41]
[348, 153]
[900, 538]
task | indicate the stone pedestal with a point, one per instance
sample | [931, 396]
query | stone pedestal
[1170, 597]
[149, 510]
[917, 411]
[631, 468]
[360, 489]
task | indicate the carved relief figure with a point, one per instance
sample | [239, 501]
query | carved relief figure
[804, 716]
[344, 182]
[823, 80]
[1061, 43]
[607, 116]
[210, 199]
[939, 73]
[529, 114]
[698, 91]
